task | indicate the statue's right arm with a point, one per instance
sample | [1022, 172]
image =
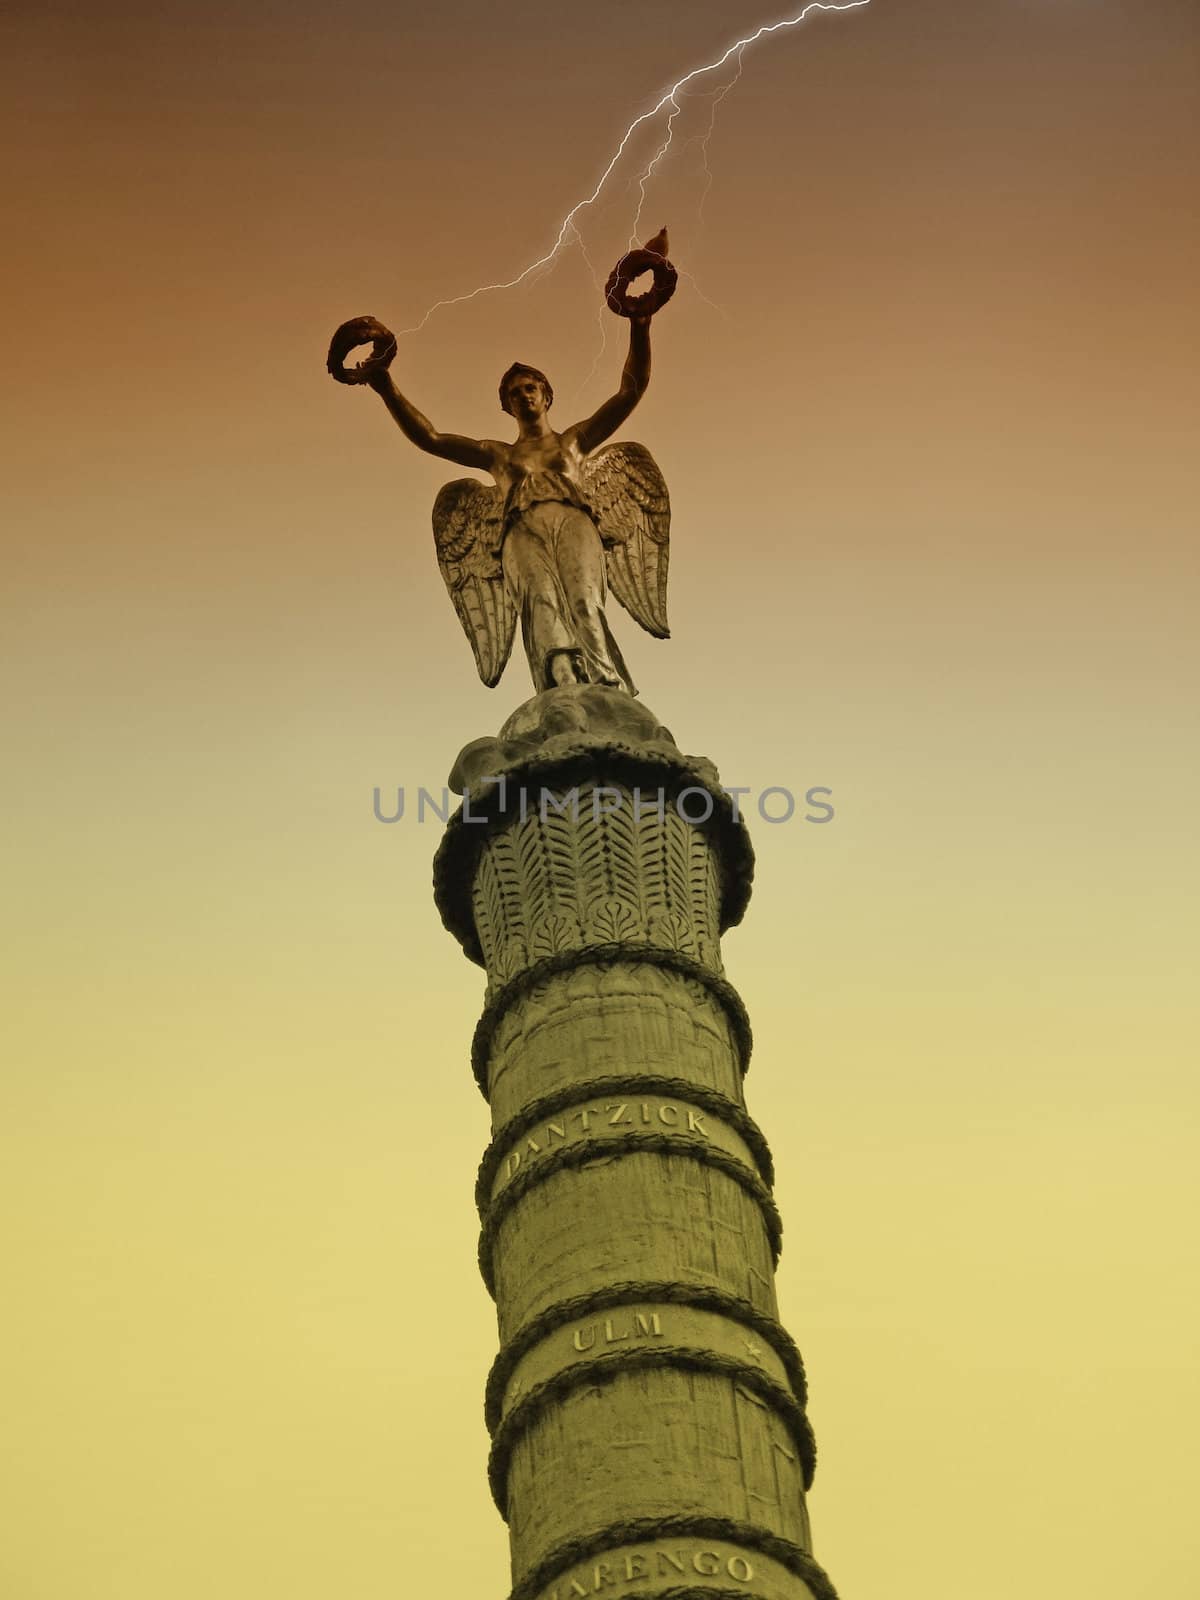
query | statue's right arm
[451, 446]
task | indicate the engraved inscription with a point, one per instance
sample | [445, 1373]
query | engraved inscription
[676, 1560]
[638, 1326]
[595, 1119]
[616, 1330]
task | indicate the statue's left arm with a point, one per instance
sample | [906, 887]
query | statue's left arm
[635, 378]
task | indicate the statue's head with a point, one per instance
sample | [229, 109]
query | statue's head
[522, 377]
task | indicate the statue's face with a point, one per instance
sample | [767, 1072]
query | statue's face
[526, 397]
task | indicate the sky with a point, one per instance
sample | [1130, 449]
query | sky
[926, 403]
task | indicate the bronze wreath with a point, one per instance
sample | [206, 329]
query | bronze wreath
[360, 330]
[631, 266]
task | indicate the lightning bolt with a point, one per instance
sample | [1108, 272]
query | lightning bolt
[648, 170]
[707, 136]
[567, 227]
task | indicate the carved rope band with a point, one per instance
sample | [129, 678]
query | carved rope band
[578, 1155]
[607, 1368]
[692, 1593]
[549, 1105]
[641, 1530]
[614, 1295]
[614, 954]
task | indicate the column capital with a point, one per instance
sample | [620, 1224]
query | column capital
[603, 761]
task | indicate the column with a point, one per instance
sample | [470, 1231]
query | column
[646, 1408]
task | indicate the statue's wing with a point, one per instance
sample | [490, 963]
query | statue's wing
[627, 493]
[467, 531]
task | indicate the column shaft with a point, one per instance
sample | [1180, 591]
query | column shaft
[647, 1409]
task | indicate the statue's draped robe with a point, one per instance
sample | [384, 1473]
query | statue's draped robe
[553, 563]
[549, 543]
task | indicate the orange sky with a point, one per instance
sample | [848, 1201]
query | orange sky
[927, 411]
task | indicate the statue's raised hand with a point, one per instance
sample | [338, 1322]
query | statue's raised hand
[358, 331]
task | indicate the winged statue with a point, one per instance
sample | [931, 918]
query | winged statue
[567, 517]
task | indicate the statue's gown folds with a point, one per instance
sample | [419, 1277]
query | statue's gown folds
[553, 563]
[551, 551]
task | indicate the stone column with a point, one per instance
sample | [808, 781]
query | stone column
[647, 1409]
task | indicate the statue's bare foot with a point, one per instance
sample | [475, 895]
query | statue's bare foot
[562, 669]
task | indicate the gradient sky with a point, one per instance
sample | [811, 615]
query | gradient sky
[927, 412]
